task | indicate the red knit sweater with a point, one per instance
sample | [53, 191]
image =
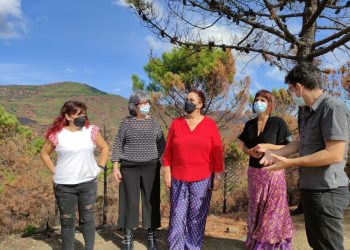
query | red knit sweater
[193, 155]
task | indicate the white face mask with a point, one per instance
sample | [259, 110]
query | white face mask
[145, 109]
[260, 107]
[298, 100]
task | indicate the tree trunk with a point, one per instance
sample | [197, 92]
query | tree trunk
[224, 207]
[105, 200]
[308, 37]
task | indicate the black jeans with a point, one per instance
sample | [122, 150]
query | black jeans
[68, 197]
[323, 213]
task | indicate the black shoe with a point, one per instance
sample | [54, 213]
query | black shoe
[128, 239]
[151, 239]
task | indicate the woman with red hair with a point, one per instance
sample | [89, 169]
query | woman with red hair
[74, 175]
[269, 223]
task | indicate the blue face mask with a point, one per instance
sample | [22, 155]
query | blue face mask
[298, 100]
[145, 109]
[260, 107]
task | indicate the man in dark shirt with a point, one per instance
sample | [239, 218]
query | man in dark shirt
[322, 147]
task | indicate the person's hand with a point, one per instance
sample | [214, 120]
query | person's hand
[261, 148]
[279, 163]
[117, 175]
[254, 153]
[267, 160]
[167, 177]
[216, 183]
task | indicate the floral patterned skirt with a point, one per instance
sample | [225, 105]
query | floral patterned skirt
[269, 223]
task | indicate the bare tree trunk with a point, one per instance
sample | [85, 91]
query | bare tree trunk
[105, 200]
[307, 34]
[224, 207]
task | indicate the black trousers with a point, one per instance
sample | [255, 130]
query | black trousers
[323, 213]
[139, 179]
[68, 198]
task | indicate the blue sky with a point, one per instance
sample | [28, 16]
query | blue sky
[100, 43]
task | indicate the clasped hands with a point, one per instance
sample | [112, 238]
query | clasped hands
[270, 160]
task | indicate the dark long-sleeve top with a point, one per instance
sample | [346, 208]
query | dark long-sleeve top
[138, 140]
[193, 155]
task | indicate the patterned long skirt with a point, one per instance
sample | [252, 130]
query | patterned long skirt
[269, 223]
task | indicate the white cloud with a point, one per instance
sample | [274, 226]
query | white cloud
[157, 7]
[69, 70]
[219, 34]
[158, 45]
[86, 71]
[12, 21]
[122, 3]
[10, 7]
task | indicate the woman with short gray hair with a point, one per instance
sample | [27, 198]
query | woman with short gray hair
[136, 150]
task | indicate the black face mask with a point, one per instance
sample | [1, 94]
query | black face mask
[189, 107]
[79, 121]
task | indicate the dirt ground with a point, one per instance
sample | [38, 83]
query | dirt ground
[222, 232]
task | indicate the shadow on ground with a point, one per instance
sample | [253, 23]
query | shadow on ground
[109, 238]
[218, 236]
[116, 236]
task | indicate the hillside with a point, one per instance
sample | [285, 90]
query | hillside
[37, 105]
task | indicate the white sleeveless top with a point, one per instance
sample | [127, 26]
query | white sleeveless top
[75, 150]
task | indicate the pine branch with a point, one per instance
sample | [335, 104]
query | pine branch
[250, 21]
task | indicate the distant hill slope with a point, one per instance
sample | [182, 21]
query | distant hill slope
[37, 105]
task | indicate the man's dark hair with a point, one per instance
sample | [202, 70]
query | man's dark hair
[306, 74]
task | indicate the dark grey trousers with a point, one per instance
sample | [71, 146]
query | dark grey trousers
[141, 179]
[68, 198]
[323, 211]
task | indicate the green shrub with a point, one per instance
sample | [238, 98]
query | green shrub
[34, 147]
[9, 177]
[109, 166]
[30, 229]
[9, 125]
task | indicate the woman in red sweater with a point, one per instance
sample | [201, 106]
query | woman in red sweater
[193, 161]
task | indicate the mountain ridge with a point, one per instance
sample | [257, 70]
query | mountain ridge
[37, 105]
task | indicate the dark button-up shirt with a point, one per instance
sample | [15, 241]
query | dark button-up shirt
[327, 120]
